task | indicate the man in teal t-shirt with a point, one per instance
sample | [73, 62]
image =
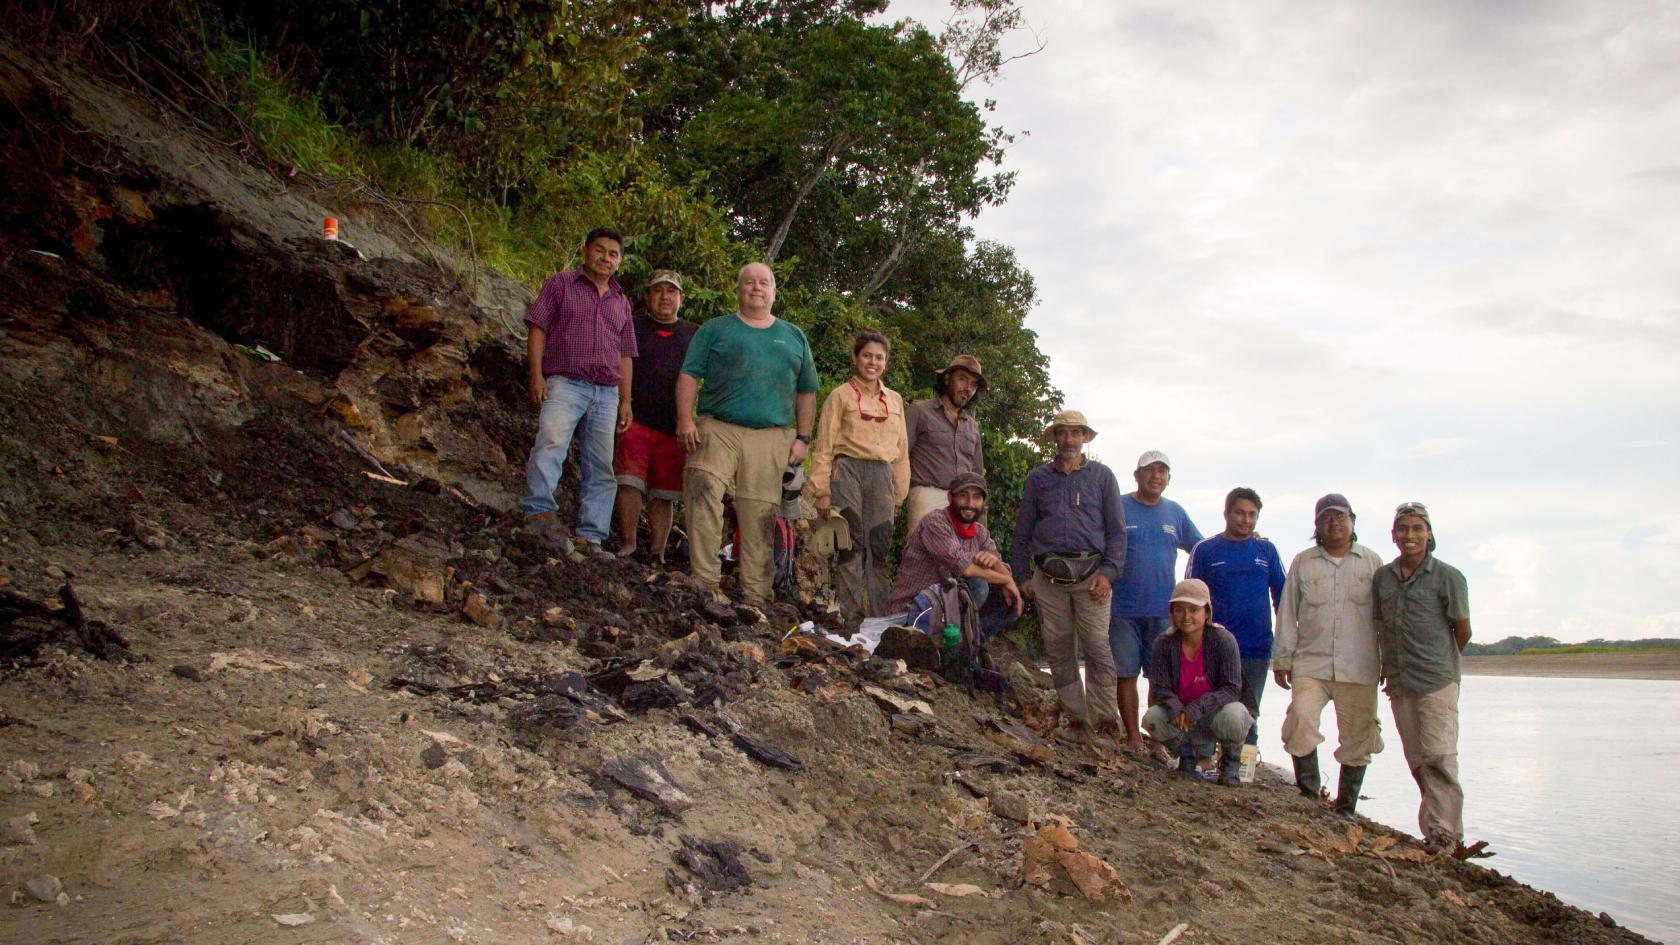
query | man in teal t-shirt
[755, 383]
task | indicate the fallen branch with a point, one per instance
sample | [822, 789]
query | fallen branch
[903, 899]
[1172, 936]
[967, 844]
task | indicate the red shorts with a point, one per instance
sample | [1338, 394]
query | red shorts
[650, 462]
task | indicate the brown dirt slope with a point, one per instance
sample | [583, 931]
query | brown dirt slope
[365, 712]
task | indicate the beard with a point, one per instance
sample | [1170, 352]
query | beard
[967, 516]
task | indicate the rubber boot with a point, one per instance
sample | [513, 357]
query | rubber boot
[1230, 767]
[1187, 761]
[1347, 789]
[1306, 774]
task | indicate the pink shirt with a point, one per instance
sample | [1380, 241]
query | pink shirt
[1192, 677]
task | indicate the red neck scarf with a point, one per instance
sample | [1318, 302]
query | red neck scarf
[963, 531]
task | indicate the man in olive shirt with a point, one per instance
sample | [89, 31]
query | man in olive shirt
[944, 436]
[755, 415]
[1423, 617]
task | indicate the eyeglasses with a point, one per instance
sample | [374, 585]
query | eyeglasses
[882, 395]
[1411, 508]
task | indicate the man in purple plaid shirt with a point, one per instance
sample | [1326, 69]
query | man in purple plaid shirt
[580, 343]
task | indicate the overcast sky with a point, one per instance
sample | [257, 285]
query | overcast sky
[1425, 250]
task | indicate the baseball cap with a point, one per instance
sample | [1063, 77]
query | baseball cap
[968, 481]
[1153, 456]
[1191, 591]
[666, 276]
[1334, 500]
[1412, 508]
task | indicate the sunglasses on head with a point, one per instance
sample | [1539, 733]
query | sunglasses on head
[1411, 508]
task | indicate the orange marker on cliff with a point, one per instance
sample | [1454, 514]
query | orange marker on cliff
[329, 228]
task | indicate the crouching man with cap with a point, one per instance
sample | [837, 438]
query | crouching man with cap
[1423, 617]
[954, 544]
[1326, 650]
[1069, 548]
[1195, 685]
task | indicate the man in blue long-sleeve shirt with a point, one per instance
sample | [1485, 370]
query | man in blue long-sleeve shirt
[1069, 549]
[1246, 577]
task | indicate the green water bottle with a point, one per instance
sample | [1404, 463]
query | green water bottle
[953, 638]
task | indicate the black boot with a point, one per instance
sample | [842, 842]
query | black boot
[1347, 789]
[1306, 774]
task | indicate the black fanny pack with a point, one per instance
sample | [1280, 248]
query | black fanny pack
[1067, 568]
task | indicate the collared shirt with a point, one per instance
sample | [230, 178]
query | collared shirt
[1069, 512]
[1415, 618]
[848, 427]
[940, 450]
[933, 553]
[1325, 629]
[587, 332]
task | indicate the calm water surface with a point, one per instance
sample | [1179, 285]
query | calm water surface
[1571, 782]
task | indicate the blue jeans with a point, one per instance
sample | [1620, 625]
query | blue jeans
[1255, 672]
[574, 406]
[1130, 639]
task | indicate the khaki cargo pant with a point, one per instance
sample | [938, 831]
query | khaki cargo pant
[1071, 622]
[1358, 729]
[922, 500]
[747, 464]
[1428, 725]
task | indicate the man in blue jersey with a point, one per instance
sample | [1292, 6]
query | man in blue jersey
[1156, 528]
[1246, 577]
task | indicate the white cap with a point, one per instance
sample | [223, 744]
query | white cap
[1153, 456]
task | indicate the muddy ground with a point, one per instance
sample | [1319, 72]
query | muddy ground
[353, 710]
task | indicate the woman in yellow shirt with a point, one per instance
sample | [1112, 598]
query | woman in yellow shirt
[861, 470]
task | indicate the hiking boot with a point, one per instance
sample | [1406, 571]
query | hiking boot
[546, 528]
[593, 549]
[1347, 789]
[1306, 774]
[1230, 769]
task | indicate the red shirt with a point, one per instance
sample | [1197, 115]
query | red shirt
[1192, 677]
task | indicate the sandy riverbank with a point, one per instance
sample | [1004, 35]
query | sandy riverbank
[1647, 665]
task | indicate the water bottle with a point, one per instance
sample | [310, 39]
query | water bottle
[953, 639]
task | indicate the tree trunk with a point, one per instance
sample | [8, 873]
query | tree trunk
[888, 266]
[810, 181]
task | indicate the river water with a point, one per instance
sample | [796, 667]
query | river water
[1570, 781]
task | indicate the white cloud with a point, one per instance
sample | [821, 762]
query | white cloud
[1400, 251]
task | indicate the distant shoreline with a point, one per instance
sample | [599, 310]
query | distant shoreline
[1662, 664]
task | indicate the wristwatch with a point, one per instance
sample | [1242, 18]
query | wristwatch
[803, 437]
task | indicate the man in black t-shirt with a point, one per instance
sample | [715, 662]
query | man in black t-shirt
[649, 459]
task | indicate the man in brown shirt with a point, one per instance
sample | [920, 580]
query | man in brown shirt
[944, 436]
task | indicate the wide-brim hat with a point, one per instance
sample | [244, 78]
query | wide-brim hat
[1070, 418]
[965, 362]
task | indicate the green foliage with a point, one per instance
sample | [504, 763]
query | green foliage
[1535, 646]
